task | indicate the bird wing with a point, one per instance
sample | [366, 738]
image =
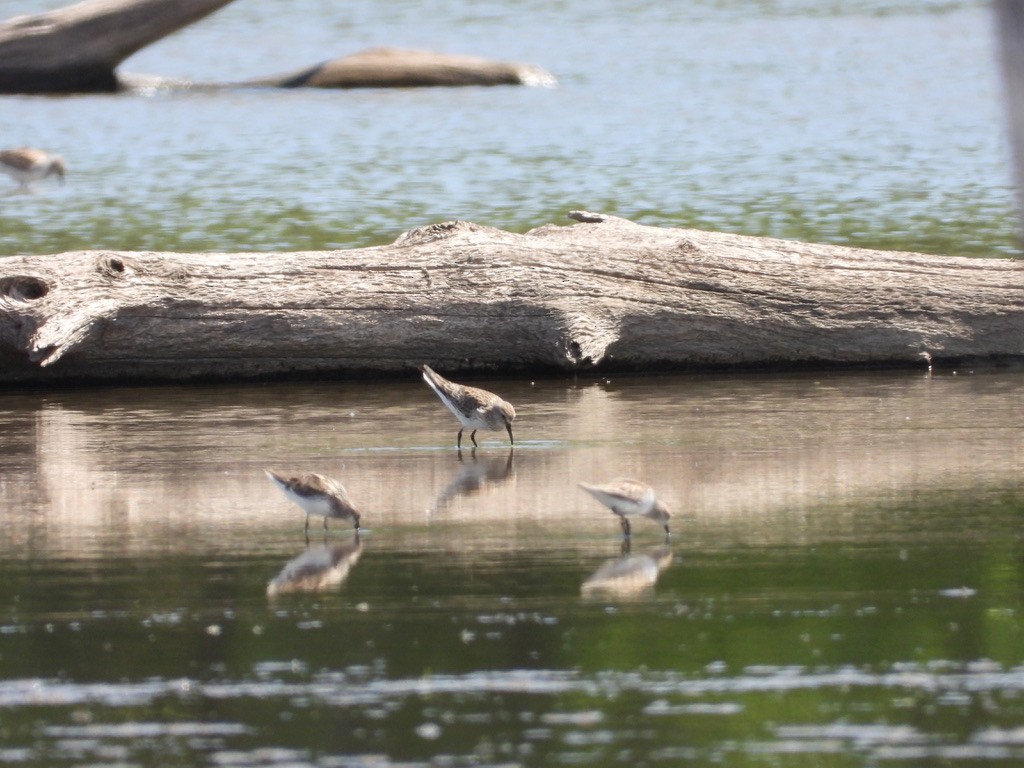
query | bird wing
[22, 159]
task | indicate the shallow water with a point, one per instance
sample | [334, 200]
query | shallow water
[870, 122]
[841, 587]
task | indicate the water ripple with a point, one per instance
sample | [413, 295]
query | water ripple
[341, 689]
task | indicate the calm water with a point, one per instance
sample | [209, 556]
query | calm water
[871, 122]
[842, 588]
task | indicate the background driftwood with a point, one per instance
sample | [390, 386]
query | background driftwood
[402, 68]
[77, 48]
[605, 291]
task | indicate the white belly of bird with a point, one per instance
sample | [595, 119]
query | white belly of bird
[473, 422]
[631, 508]
[628, 507]
[312, 505]
[469, 420]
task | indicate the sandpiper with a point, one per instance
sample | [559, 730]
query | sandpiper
[628, 498]
[26, 165]
[474, 408]
[317, 495]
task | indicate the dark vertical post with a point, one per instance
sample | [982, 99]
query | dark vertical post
[1010, 20]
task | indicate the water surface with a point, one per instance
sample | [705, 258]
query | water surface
[874, 123]
[842, 586]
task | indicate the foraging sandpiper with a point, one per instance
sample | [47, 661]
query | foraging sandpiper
[317, 495]
[628, 498]
[474, 408]
[26, 165]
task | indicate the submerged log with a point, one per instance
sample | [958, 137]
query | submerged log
[398, 68]
[77, 48]
[605, 293]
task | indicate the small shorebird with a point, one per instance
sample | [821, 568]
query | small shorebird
[474, 408]
[317, 495]
[26, 165]
[629, 498]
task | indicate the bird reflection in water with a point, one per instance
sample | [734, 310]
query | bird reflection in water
[317, 569]
[628, 575]
[473, 475]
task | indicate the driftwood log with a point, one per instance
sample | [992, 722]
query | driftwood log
[400, 68]
[605, 293]
[78, 48]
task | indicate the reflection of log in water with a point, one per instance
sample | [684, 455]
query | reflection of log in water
[472, 477]
[772, 460]
[629, 575]
[317, 569]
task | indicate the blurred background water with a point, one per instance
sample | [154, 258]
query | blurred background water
[868, 122]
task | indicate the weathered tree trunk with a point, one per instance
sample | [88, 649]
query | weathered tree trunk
[397, 68]
[77, 48]
[605, 292]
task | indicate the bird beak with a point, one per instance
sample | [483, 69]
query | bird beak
[508, 428]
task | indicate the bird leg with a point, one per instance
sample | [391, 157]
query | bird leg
[508, 428]
[458, 441]
[625, 525]
[472, 436]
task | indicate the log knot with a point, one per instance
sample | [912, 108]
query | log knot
[585, 338]
[441, 231]
[23, 289]
[587, 217]
[114, 266]
[688, 247]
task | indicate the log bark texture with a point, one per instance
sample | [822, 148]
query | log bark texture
[399, 68]
[77, 48]
[603, 293]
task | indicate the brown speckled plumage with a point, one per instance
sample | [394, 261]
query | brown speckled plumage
[317, 495]
[474, 408]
